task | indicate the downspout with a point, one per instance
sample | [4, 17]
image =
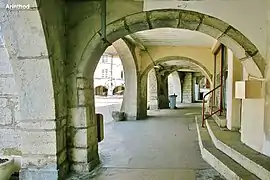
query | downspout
[221, 79]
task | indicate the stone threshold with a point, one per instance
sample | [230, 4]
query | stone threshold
[229, 142]
[225, 165]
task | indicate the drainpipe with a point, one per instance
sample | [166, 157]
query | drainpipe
[214, 85]
[221, 79]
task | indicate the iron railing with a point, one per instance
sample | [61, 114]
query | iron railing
[204, 117]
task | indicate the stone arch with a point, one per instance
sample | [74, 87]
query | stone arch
[101, 90]
[119, 90]
[242, 47]
[129, 104]
[203, 69]
[86, 63]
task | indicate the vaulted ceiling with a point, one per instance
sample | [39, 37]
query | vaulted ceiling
[174, 37]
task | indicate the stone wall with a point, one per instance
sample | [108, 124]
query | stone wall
[10, 139]
[152, 95]
[188, 88]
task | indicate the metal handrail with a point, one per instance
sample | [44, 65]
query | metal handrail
[203, 111]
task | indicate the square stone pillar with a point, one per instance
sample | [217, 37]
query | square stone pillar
[82, 138]
[188, 88]
[43, 134]
[142, 97]
[233, 105]
[42, 113]
[163, 97]
[152, 90]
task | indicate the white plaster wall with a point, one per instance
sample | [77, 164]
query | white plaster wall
[248, 16]
[174, 86]
[233, 105]
[252, 123]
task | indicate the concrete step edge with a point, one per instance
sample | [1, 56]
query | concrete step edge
[225, 165]
[247, 163]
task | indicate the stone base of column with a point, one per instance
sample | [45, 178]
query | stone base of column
[130, 117]
[163, 102]
[44, 174]
[81, 167]
[153, 105]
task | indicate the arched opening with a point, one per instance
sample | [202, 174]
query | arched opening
[180, 67]
[176, 19]
[182, 19]
[101, 91]
[78, 105]
[118, 90]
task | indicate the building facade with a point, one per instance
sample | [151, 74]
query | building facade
[109, 76]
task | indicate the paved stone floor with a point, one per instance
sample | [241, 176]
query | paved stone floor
[163, 147]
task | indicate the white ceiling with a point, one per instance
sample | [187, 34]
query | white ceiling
[174, 37]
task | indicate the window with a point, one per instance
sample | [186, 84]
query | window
[104, 73]
[122, 75]
[105, 58]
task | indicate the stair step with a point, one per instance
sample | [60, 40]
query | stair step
[230, 143]
[225, 165]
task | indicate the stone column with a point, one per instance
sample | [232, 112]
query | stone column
[83, 144]
[233, 105]
[142, 97]
[188, 88]
[41, 121]
[163, 97]
[194, 92]
[152, 90]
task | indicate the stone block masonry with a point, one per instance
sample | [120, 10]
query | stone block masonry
[188, 88]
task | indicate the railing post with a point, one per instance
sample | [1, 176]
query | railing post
[221, 80]
[203, 113]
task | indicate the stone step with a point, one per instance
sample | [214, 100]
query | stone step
[225, 165]
[229, 142]
[220, 120]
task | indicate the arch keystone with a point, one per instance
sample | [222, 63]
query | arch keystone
[166, 18]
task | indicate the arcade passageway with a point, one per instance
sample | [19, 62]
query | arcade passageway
[165, 146]
[49, 124]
